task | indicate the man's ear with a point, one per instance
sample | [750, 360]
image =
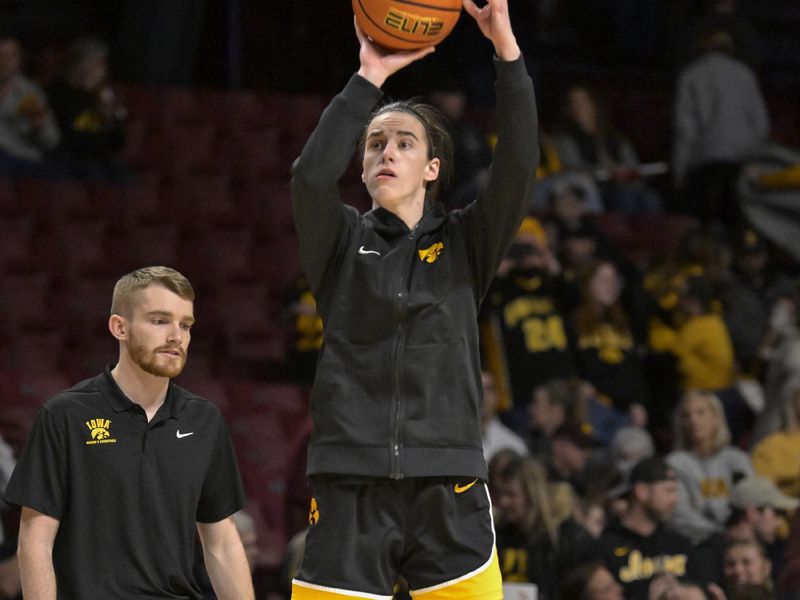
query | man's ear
[118, 327]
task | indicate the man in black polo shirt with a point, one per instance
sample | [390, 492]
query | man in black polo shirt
[120, 471]
[639, 547]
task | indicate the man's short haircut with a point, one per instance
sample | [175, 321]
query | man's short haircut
[129, 286]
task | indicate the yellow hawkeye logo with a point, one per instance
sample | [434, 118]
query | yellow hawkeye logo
[429, 255]
[313, 512]
[460, 489]
[100, 433]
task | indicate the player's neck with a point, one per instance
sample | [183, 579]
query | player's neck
[408, 211]
[142, 388]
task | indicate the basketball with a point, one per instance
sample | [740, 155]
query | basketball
[407, 24]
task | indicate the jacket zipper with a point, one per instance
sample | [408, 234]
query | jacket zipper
[397, 404]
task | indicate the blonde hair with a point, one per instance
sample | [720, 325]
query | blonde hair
[722, 436]
[532, 475]
[129, 286]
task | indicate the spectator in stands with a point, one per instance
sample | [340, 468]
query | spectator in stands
[525, 302]
[789, 582]
[576, 457]
[781, 353]
[552, 404]
[569, 207]
[608, 355]
[629, 446]
[471, 152]
[495, 435]
[723, 15]
[706, 466]
[720, 117]
[527, 534]
[745, 562]
[306, 332]
[587, 142]
[757, 509]
[91, 118]
[701, 342]
[640, 545]
[754, 285]
[28, 130]
[498, 463]
[591, 581]
[775, 456]
[579, 531]
[551, 181]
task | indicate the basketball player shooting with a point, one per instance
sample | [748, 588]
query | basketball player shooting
[395, 459]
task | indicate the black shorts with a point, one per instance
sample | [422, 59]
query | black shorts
[435, 532]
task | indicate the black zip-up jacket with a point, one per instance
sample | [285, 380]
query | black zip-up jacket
[398, 386]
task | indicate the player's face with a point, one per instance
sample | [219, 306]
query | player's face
[159, 331]
[396, 167]
[744, 564]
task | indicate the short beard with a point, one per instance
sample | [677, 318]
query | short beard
[147, 361]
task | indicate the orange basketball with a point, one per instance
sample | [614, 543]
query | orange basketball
[407, 24]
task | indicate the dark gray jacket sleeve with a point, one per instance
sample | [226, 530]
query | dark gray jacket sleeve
[319, 215]
[493, 219]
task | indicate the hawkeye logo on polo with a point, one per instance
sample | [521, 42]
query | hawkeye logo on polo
[431, 255]
[100, 431]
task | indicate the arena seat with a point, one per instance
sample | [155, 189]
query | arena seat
[16, 233]
[287, 400]
[9, 203]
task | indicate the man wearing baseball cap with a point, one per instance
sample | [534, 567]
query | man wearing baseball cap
[639, 546]
[757, 506]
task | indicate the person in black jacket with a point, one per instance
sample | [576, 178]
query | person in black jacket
[395, 457]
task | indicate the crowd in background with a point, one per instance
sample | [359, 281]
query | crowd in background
[641, 417]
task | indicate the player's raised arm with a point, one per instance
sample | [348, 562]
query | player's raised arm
[494, 22]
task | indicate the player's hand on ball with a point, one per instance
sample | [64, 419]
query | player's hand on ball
[378, 63]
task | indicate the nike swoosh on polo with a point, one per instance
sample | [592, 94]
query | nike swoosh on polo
[362, 251]
[180, 435]
[460, 489]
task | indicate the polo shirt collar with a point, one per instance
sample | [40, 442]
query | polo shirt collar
[119, 402]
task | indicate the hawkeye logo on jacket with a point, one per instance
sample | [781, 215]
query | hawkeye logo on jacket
[645, 567]
[431, 254]
[100, 432]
